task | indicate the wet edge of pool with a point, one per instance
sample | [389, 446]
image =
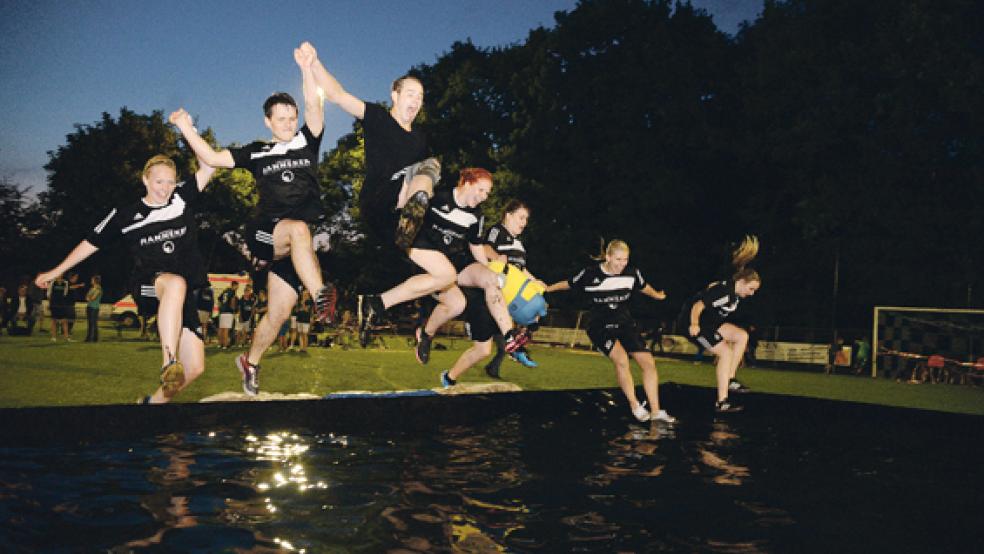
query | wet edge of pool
[81, 424]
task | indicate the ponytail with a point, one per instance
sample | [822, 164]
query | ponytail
[742, 255]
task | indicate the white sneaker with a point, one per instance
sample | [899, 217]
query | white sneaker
[662, 416]
[640, 412]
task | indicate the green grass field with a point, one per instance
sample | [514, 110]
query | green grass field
[34, 371]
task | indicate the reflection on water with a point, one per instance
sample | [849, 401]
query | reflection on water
[585, 478]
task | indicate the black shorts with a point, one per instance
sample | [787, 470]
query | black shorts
[147, 305]
[604, 335]
[60, 312]
[284, 268]
[479, 322]
[707, 338]
[379, 213]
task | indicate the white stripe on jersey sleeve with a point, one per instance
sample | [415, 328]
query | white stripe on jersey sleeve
[620, 282]
[102, 224]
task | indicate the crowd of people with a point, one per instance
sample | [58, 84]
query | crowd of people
[441, 229]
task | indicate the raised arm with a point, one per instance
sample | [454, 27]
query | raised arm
[314, 109]
[82, 251]
[204, 174]
[215, 158]
[332, 89]
[653, 293]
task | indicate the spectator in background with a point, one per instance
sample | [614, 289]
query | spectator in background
[76, 294]
[862, 355]
[21, 308]
[205, 304]
[304, 308]
[59, 302]
[227, 314]
[247, 306]
[93, 298]
[656, 338]
[835, 348]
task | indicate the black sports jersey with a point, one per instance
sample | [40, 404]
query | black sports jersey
[246, 306]
[286, 175]
[449, 227]
[60, 293]
[720, 301]
[226, 301]
[503, 242]
[160, 238]
[609, 294]
[389, 147]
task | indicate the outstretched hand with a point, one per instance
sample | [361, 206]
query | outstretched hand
[45, 278]
[305, 56]
[180, 117]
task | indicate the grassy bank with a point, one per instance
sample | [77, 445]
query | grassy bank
[34, 371]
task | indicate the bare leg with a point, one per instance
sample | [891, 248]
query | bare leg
[170, 290]
[191, 353]
[440, 275]
[621, 362]
[470, 357]
[650, 378]
[418, 183]
[292, 237]
[281, 299]
[723, 368]
[451, 303]
[738, 340]
[479, 276]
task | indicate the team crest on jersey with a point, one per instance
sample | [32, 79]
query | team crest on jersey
[168, 247]
[287, 176]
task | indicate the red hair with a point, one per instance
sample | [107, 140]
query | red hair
[473, 175]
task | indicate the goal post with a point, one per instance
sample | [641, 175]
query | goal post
[901, 332]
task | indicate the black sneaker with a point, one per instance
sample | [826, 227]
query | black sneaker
[446, 380]
[515, 340]
[423, 350]
[411, 219]
[726, 406]
[735, 386]
[250, 373]
[370, 310]
[492, 370]
[324, 304]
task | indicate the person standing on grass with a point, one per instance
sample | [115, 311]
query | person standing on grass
[304, 308]
[93, 297]
[228, 306]
[609, 286]
[59, 301]
[161, 234]
[280, 238]
[247, 305]
[706, 320]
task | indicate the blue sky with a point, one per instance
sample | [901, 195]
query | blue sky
[65, 63]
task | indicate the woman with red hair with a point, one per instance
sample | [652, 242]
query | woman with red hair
[449, 247]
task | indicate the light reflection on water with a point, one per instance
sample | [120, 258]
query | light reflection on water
[588, 479]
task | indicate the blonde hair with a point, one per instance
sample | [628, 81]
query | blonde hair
[159, 159]
[612, 247]
[742, 255]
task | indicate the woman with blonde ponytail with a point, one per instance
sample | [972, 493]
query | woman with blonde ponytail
[612, 330]
[706, 318]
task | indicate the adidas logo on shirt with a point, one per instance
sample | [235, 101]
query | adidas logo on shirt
[137, 217]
